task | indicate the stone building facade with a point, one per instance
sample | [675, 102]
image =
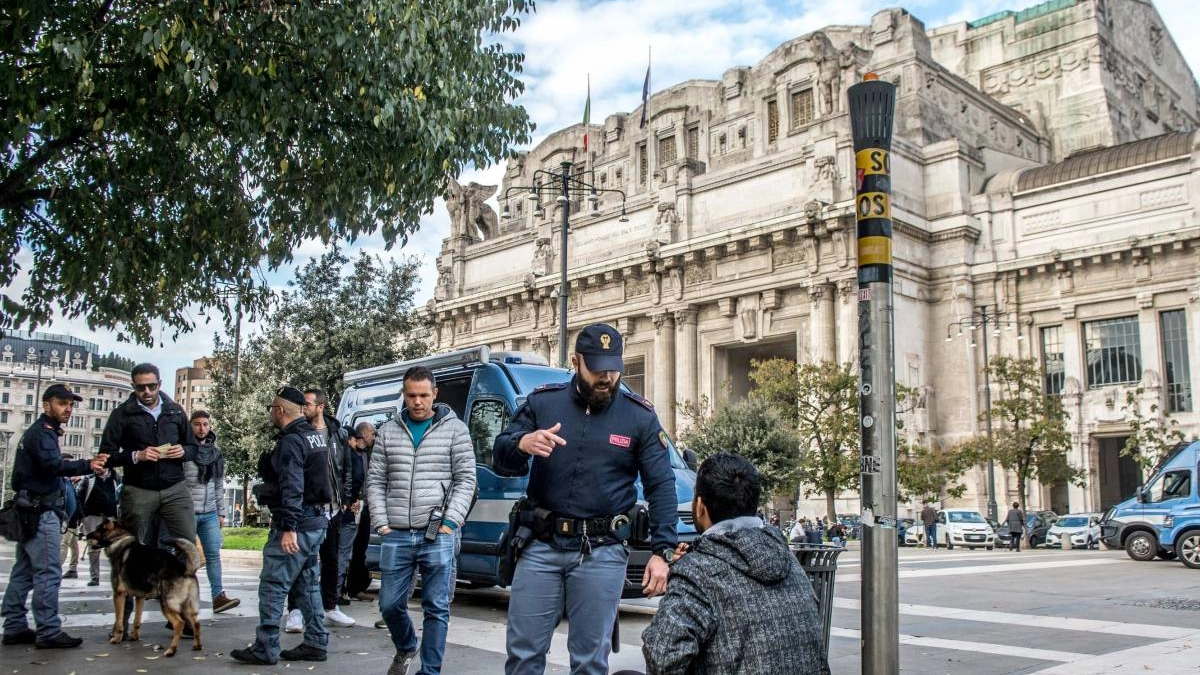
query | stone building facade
[193, 385]
[1044, 167]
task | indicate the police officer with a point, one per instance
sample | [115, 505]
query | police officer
[295, 486]
[37, 479]
[588, 441]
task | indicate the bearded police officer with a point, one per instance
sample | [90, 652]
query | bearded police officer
[589, 441]
[296, 487]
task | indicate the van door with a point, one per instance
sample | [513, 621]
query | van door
[478, 560]
[1168, 490]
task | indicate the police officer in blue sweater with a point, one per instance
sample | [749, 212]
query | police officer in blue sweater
[583, 443]
[296, 487]
[37, 474]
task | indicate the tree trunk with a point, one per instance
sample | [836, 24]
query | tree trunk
[830, 510]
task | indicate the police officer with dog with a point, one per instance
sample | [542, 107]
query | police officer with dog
[296, 487]
[37, 472]
[583, 443]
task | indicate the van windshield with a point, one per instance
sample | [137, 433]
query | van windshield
[965, 517]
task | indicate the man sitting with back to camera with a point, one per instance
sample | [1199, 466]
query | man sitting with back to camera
[737, 602]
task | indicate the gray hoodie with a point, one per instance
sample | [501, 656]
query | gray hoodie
[737, 604]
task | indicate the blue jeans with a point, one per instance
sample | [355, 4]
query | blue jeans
[208, 528]
[36, 569]
[279, 572]
[401, 554]
[545, 579]
[349, 529]
[931, 536]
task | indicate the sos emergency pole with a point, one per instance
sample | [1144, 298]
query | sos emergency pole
[872, 109]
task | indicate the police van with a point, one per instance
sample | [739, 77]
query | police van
[1135, 523]
[485, 388]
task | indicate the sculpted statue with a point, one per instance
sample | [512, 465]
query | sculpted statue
[541, 258]
[470, 217]
[445, 283]
[829, 73]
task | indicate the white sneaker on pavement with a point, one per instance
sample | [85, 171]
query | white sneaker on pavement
[295, 622]
[337, 617]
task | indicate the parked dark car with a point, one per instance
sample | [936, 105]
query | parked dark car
[1036, 524]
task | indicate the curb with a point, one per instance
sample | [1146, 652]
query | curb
[254, 557]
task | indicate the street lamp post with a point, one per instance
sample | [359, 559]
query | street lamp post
[981, 320]
[564, 185]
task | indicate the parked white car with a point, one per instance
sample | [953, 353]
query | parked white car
[1082, 528]
[964, 527]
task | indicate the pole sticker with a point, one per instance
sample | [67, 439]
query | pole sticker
[873, 205]
[874, 251]
[873, 161]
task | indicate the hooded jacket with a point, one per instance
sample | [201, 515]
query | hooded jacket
[206, 476]
[737, 604]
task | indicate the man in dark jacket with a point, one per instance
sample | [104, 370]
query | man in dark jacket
[150, 437]
[295, 486]
[37, 472]
[737, 603]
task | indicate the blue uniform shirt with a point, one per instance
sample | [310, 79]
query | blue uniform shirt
[593, 475]
[38, 465]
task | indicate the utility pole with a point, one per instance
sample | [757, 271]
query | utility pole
[872, 108]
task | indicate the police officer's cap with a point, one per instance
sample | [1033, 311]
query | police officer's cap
[291, 394]
[61, 392]
[600, 345]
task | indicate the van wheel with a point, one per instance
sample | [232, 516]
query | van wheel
[949, 544]
[1141, 546]
[1188, 548]
[990, 548]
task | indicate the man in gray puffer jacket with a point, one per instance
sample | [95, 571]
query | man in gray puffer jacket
[423, 462]
[737, 602]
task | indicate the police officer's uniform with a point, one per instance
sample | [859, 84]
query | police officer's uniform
[37, 474]
[582, 485]
[296, 487]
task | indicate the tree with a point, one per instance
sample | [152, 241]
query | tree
[1152, 435]
[1032, 440]
[752, 429]
[214, 137]
[333, 320]
[926, 472]
[820, 402]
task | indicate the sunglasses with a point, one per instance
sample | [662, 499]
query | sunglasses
[272, 407]
[152, 386]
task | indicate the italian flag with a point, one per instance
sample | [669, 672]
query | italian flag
[587, 114]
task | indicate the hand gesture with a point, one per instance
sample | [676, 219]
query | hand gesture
[541, 443]
[654, 579]
[97, 464]
[173, 452]
[149, 454]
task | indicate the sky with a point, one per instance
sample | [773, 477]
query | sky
[566, 41]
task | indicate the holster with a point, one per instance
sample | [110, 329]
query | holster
[522, 528]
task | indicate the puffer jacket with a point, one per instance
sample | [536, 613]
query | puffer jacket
[207, 495]
[405, 483]
[738, 603]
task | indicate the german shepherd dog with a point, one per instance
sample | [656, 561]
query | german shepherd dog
[142, 572]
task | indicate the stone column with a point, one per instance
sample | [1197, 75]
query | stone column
[663, 393]
[823, 347]
[687, 360]
[541, 346]
[847, 321]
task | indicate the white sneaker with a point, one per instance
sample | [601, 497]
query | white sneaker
[336, 617]
[295, 622]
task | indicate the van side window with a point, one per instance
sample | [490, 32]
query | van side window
[1171, 485]
[488, 419]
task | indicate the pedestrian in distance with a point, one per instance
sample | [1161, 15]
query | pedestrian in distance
[1016, 526]
[37, 472]
[206, 480]
[419, 487]
[296, 488]
[358, 577]
[98, 499]
[583, 443]
[738, 602]
[350, 512]
[929, 522]
[797, 535]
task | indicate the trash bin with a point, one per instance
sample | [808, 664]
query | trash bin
[819, 561]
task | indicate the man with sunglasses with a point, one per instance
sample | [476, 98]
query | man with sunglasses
[150, 438]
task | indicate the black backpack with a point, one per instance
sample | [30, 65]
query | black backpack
[101, 499]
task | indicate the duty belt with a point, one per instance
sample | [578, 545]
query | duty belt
[576, 527]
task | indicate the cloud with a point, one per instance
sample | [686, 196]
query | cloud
[566, 41]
